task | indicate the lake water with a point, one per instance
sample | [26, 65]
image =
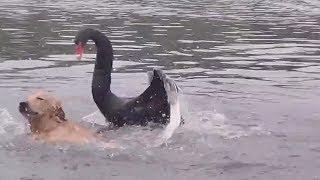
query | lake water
[249, 71]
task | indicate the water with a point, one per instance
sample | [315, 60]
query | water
[249, 71]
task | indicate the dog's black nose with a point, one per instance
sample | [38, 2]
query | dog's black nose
[23, 104]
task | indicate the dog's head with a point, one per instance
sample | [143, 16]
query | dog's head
[43, 111]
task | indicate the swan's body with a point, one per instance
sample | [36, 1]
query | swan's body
[153, 105]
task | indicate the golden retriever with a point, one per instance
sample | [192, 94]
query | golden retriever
[48, 122]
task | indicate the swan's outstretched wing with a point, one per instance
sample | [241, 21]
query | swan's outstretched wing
[153, 105]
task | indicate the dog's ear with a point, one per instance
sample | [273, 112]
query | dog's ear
[60, 114]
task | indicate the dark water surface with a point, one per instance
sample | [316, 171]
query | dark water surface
[249, 70]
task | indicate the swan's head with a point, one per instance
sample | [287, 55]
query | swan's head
[81, 40]
[102, 42]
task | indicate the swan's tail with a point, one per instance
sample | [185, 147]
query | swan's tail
[173, 92]
[170, 85]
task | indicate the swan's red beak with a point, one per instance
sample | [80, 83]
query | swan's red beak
[79, 50]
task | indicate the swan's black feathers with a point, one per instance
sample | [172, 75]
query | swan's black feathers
[153, 105]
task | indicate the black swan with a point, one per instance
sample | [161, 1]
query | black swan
[158, 103]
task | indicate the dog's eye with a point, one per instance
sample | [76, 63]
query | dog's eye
[40, 98]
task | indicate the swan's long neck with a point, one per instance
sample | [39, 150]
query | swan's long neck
[104, 58]
[102, 73]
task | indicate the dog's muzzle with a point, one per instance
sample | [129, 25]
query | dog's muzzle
[23, 106]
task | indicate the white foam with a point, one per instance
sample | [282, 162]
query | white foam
[175, 118]
[175, 113]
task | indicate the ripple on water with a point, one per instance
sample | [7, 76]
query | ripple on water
[22, 64]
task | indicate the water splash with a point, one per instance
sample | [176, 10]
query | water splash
[95, 118]
[9, 125]
[213, 122]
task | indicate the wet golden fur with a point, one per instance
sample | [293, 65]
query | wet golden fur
[48, 122]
